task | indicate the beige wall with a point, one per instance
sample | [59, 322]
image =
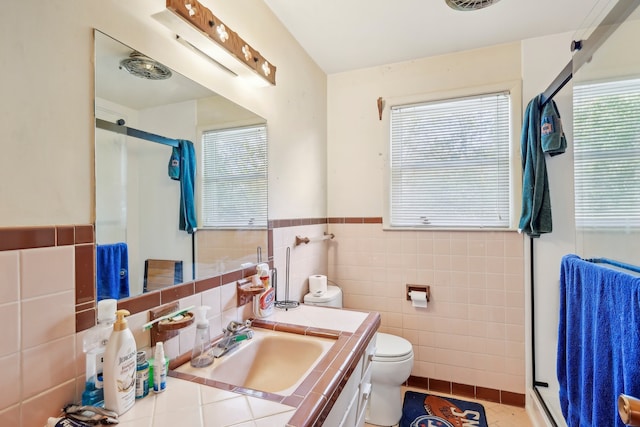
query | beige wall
[357, 138]
[47, 102]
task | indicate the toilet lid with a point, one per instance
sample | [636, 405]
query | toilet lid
[391, 347]
[332, 292]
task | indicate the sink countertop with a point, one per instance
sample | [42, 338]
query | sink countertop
[188, 402]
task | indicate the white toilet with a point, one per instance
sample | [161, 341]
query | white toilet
[390, 367]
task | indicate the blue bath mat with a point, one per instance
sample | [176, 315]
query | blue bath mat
[428, 410]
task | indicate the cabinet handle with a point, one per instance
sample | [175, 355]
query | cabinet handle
[372, 354]
[366, 391]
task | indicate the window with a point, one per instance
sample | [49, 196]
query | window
[607, 154]
[234, 188]
[449, 163]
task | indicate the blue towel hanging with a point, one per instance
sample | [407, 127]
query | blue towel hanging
[598, 342]
[112, 271]
[188, 221]
[182, 167]
[541, 133]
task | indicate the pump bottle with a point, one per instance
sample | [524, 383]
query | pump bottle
[120, 367]
[201, 354]
[94, 345]
[263, 303]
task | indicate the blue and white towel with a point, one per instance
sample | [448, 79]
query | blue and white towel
[112, 271]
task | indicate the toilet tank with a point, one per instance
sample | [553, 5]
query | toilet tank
[331, 298]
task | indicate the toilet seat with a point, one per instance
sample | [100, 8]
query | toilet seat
[391, 348]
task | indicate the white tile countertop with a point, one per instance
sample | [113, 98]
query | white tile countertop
[320, 317]
[189, 403]
[186, 403]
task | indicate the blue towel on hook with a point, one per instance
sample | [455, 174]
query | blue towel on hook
[112, 271]
[541, 133]
[536, 203]
[187, 172]
[598, 342]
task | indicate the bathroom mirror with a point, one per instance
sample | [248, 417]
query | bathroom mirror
[137, 202]
[606, 108]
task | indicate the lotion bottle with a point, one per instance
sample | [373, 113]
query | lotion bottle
[120, 367]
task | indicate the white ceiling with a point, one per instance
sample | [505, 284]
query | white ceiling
[342, 35]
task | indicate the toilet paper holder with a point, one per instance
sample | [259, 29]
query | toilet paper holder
[419, 288]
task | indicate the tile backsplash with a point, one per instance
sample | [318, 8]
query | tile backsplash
[472, 332]
[47, 296]
[37, 358]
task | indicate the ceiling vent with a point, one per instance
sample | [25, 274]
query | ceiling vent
[144, 67]
[469, 4]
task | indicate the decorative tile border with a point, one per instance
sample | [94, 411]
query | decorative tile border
[83, 238]
[283, 223]
[466, 390]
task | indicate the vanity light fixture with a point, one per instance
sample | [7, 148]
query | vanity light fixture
[197, 27]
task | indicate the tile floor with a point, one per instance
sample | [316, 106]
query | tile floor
[497, 415]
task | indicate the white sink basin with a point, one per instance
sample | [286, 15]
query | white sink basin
[275, 362]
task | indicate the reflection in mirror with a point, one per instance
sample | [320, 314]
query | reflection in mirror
[139, 242]
[606, 104]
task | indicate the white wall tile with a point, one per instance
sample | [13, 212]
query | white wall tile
[46, 271]
[10, 342]
[47, 318]
[48, 365]
[476, 315]
[9, 276]
[10, 394]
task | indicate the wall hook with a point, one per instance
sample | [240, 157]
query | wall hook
[380, 107]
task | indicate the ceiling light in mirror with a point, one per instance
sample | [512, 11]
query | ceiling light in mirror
[140, 66]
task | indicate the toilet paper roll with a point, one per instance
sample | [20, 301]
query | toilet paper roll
[318, 284]
[419, 299]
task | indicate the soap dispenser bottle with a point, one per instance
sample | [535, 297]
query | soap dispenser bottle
[201, 354]
[263, 302]
[94, 345]
[120, 367]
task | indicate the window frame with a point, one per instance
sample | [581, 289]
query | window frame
[515, 169]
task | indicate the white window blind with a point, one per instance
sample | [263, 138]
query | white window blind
[607, 154]
[234, 189]
[450, 163]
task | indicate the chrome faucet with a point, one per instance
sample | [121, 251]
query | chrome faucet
[234, 333]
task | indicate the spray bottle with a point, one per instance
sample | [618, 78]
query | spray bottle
[201, 354]
[263, 302]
